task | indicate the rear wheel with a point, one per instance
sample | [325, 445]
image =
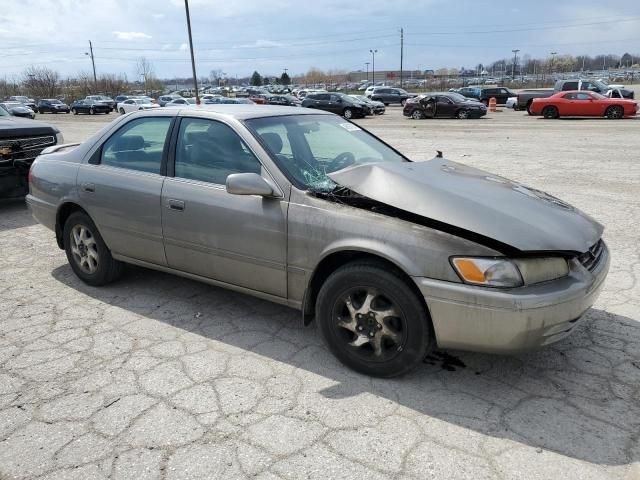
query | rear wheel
[75, 112]
[92, 111]
[529, 107]
[614, 112]
[87, 253]
[550, 112]
[347, 113]
[121, 111]
[417, 114]
[372, 320]
[462, 114]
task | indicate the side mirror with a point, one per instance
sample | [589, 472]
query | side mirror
[248, 184]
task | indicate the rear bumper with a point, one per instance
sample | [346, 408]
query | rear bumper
[509, 321]
[43, 212]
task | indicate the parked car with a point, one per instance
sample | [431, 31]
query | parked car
[594, 86]
[501, 95]
[388, 95]
[228, 100]
[21, 141]
[164, 99]
[29, 102]
[18, 109]
[181, 102]
[121, 98]
[285, 100]
[104, 99]
[392, 257]
[89, 106]
[583, 103]
[338, 103]
[52, 105]
[443, 105]
[134, 104]
[377, 107]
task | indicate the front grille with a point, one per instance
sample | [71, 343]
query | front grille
[27, 148]
[591, 257]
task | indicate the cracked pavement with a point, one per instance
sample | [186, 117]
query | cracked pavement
[156, 376]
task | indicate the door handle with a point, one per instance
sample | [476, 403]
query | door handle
[177, 205]
[88, 187]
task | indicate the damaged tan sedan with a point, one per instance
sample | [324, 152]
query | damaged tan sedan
[391, 257]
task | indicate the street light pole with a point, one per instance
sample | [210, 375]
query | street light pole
[193, 59]
[515, 60]
[367, 64]
[373, 65]
[553, 57]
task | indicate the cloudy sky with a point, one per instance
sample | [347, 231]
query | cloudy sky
[239, 36]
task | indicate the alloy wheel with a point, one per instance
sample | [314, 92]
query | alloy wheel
[416, 115]
[615, 113]
[348, 113]
[370, 324]
[462, 114]
[84, 249]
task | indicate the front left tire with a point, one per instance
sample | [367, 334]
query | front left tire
[88, 255]
[373, 321]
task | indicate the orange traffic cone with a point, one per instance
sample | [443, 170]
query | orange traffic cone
[492, 104]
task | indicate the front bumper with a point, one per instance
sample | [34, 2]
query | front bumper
[495, 320]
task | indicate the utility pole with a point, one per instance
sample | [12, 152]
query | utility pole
[367, 64]
[193, 59]
[401, 53]
[93, 63]
[553, 57]
[515, 60]
[373, 65]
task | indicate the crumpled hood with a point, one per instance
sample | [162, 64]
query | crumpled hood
[477, 201]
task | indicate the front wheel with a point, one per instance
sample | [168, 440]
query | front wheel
[462, 114]
[92, 111]
[614, 113]
[417, 115]
[347, 113]
[89, 257]
[550, 112]
[121, 111]
[75, 112]
[372, 320]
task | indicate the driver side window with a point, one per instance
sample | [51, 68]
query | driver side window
[210, 151]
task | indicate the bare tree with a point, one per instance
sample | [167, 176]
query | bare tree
[145, 69]
[41, 82]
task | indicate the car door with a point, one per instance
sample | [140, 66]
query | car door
[121, 186]
[567, 104]
[444, 106]
[587, 106]
[236, 239]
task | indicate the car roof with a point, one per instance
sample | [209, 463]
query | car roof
[241, 111]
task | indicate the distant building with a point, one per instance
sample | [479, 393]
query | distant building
[387, 75]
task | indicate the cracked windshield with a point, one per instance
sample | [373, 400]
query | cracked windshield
[310, 147]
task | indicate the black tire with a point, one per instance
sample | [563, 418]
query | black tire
[529, 107]
[550, 112]
[106, 268]
[411, 328]
[485, 102]
[92, 111]
[462, 114]
[614, 112]
[121, 111]
[348, 113]
[402, 102]
[40, 111]
[386, 104]
[75, 112]
[417, 114]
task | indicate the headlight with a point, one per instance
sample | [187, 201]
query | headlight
[503, 272]
[490, 272]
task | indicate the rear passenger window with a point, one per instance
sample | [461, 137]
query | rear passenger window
[138, 145]
[210, 151]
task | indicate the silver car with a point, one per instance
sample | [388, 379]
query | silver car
[391, 257]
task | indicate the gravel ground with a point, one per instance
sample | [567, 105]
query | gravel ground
[156, 376]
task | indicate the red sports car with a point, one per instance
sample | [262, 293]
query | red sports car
[582, 103]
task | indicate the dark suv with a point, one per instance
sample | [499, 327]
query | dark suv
[52, 105]
[337, 103]
[389, 95]
[501, 95]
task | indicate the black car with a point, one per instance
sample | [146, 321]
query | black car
[89, 106]
[121, 98]
[337, 103]
[388, 95]
[443, 105]
[228, 101]
[52, 105]
[21, 141]
[377, 107]
[18, 109]
[287, 100]
[501, 95]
